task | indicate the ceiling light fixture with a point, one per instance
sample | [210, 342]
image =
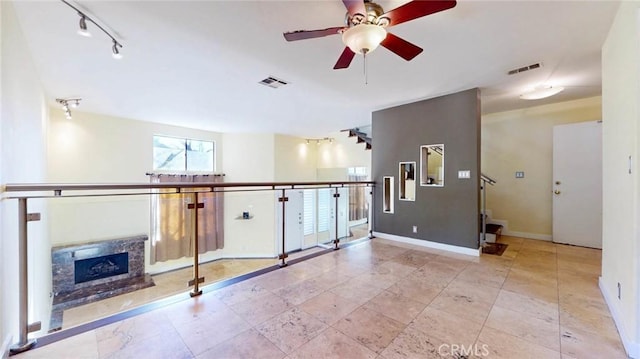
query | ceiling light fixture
[318, 141]
[85, 32]
[83, 27]
[65, 102]
[540, 92]
[364, 38]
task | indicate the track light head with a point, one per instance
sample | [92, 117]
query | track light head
[83, 26]
[116, 53]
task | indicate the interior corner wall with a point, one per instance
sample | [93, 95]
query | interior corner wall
[449, 214]
[522, 140]
[24, 120]
[621, 189]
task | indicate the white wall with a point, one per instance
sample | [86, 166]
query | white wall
[621, 119]
[522, 140]
[295, 160]
[22, 157]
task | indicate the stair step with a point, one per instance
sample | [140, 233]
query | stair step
[494, 228]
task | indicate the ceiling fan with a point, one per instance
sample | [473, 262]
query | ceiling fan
[365, 28]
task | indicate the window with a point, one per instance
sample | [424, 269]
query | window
[183, 154]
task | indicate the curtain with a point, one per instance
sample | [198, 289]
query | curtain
[172, 222]
[357, 199]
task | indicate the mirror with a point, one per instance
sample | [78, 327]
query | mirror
[407, 181]
[432, 165]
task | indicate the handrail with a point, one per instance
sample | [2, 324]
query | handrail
[59, 188]
[487, 179]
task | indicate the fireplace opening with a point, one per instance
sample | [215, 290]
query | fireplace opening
[101, 267]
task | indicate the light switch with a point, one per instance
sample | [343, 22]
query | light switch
[464, 174]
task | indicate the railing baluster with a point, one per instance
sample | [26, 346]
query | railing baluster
[23, 292]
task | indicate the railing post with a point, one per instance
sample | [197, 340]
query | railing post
[283, 255]
[336, 241]
[370, 214]
[196, 255]
[23, 286]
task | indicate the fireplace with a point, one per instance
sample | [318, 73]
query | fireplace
[88, 272]
[101, 267]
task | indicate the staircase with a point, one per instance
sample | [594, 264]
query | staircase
[362, 137]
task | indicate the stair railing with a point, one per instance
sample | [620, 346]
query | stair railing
[483, 186]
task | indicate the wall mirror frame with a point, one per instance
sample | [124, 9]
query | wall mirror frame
[432, 165]
[407, 181]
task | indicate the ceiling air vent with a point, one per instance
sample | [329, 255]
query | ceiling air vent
[525, 68]
[273, 82]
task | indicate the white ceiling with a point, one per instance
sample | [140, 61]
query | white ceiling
[198, 63]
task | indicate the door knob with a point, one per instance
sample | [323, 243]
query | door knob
[556, 192]
[557, 182]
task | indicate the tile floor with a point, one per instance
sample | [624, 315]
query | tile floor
[380, 299]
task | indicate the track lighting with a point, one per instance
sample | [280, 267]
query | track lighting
[85, 32]
[318, 141]
[83, 27]
[74, 102]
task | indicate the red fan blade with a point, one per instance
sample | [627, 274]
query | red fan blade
[401, 47]
[345, 59]
[355, 7]
[310, 34]
[417, 8]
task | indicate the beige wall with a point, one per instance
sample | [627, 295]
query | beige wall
[334, 158]
[621, 119]
[24, 119]
[295, 160]
[522, 140]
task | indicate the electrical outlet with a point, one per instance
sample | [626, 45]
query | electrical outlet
[519, 174]
[415, 229]
[619, 290]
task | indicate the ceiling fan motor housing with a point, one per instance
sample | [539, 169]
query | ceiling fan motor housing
[372, 16]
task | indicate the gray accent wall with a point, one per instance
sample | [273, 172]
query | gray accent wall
[448, 214]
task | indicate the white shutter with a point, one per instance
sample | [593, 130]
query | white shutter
[324, 198]
[309, 211]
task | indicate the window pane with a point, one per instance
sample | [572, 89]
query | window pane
[200, 156]
[168, 153]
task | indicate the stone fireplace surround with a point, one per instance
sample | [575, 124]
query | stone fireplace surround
[68, 294]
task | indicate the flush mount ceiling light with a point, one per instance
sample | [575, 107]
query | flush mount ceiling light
[66, 102]
[540, 92]
[83, 31]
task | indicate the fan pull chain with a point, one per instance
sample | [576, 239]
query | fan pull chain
[366, 77]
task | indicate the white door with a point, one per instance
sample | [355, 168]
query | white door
[577, 184]
[294, 231]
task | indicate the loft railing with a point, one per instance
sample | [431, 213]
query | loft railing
[486, 180]
[23, 193]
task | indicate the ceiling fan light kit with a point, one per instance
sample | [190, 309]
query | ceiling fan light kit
[541, 92]
[364, 38]
[366, 26]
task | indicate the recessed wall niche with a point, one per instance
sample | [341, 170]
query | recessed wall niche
[387, 194]
[432, 165]
[407, 179]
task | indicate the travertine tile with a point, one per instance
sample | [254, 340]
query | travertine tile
[130, 332]
[584, 344]
[483, 275]
[413, 258]
[164, 345]
[416, 289]
[238, 292]
[259, 309]
[395, 306]
[463, 305]
[84, 345]
[412, 343]
[357, 291]
[332, 344]
[329, 307]
[248, 344]
[291, 329]
[501, 345]
[537, 308]
[394, 268]
[447, 327]
[370, 328]
[300, 292]
[525, 327]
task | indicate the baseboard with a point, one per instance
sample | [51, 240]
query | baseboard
[429, 244]
[632, 348]
[6, 344]
[538, 236]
